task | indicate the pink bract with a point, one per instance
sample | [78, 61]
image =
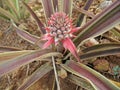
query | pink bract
[61, 29]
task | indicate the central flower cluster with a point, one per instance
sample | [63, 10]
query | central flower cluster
[59, 26]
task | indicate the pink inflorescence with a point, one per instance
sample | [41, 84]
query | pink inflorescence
[59, 26]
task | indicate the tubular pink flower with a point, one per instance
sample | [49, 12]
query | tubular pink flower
[61, 29]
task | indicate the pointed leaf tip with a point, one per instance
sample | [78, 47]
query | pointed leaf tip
[68, 44]
[50, 41]
[40, 24]
[98, 81]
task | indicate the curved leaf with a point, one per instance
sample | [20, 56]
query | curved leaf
[68, 44]
[11, 5]
[3, 17]
[100, 23]
[116, 32]
[28, 37]
[6, 49]
[84, 11]
[98, 53]
[10, 55]
[95, 78]
[39, 73]
[11, 64]
[7, 14]
[101, 47]
[40, 24]
[81, 16]
[80, 82]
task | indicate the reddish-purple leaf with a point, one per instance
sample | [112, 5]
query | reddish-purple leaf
[97, 79]
[101, 23]
[28, 37]
[79, 81]
[12, 54]
[7, 49]
[38, 74]
[7, 15]
[88, 4]
[55, 4]
[103, 52]
[48, 8]
[81, 16]
[67, 6]
[101, 46]
[11, 64]
[40, 24]
[84, 11]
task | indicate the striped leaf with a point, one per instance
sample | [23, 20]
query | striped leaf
[14, 63]
[98, 53]
[39, 73]
[100, 23]
[13, 8]
[7, 14]
[101, 47]
[80, 82]
[48, 8]
[7, 49]
[40, 24]
[12, 54]
[98, 81]
[28, 37]
[67, 6]
[81, 16]
[55, 4]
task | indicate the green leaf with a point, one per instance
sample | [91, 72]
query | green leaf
[7, 14]
[23, 13]
[3, 17]
[100, 23]
[11, 5]
[98, 81]
[39, 73]
[17, 5]
[1, 3]
[116, 32]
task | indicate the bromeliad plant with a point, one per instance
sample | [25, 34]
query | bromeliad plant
[12, 9]
[59, 31]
